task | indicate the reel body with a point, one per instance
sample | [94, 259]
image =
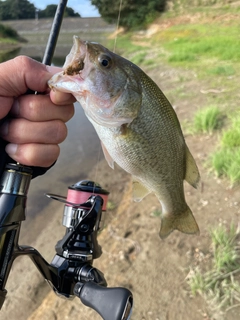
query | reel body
[71, 272]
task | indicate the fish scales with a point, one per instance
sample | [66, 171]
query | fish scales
[137, 126]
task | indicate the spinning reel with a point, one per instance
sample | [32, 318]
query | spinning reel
[71, 272]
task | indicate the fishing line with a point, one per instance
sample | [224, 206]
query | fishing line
[97, 166]
[117, 27]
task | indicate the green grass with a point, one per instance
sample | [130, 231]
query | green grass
[139, 58]
[8, 41]
[222, 70]
[156, 213]
[149, 62]
[111, 205]
[9, 35]
[182, 56]
[210, 48]
[124, 45]
[207, 120]
[8, 32]
[231, 137]
[225, 253]
[200, 41]
[226, 160]
[217, 282]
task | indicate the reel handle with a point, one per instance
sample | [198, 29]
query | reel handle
[109, 303]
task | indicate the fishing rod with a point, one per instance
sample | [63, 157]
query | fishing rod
[54, 33]
[71, 272]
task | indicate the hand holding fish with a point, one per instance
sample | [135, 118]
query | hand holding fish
[137, 126]
[36, 123]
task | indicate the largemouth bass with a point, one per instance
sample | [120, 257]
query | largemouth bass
[137, 126]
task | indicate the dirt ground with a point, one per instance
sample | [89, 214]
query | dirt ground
[133, 254]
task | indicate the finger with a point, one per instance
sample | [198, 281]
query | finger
[41, 108]
[53, 69]
[61, 98]
[5, 105]
[22, 131]
[42, 155]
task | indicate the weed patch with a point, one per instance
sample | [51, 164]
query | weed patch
[207, 120]
[231, 137]
[217, 282]
[226, 160]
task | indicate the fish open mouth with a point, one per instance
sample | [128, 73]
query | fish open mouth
[72, 64]
[74, 69]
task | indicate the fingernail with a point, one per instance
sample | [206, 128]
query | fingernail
[53, 69]
[15, 108]
[11, 149]
[4, 128]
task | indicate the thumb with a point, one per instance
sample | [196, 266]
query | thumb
[22, 73]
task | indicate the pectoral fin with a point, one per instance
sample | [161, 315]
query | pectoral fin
[192, 175]
[139, 191]
[107, 156]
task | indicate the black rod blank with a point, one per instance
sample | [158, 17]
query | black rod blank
[53, 36]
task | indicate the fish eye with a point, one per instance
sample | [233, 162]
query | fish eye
[105, 61]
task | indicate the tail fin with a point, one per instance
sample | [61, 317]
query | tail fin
[184, 222]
